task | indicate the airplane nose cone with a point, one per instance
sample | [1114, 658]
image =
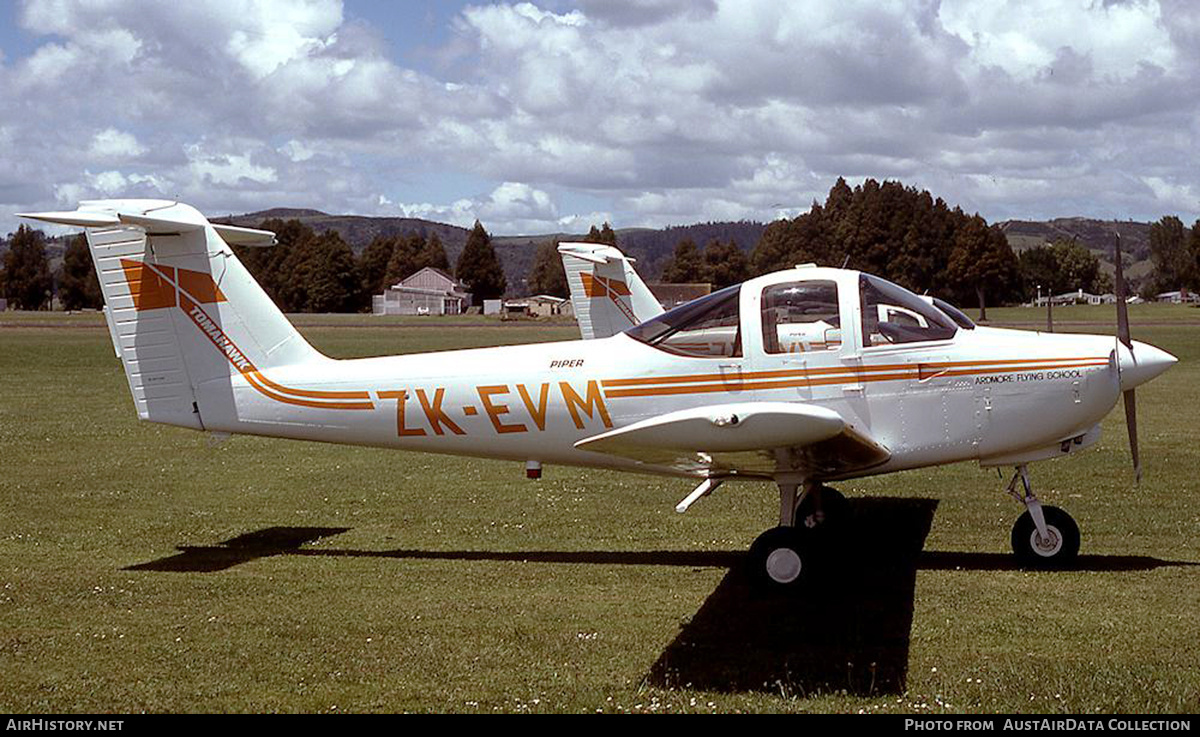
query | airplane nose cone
[1142, 364]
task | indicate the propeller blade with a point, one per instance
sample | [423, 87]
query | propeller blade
[1123, 336]
[1131, 425]
[1122, 297]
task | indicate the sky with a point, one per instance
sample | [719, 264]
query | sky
[556, 115]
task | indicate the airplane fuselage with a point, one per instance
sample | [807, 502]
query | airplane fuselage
[981, 394]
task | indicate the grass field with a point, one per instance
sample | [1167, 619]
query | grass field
[145, 568]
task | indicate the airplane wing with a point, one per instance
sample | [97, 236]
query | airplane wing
[750, 438]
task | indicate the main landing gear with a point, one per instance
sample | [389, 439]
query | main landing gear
[1043, 537]
[810, 518]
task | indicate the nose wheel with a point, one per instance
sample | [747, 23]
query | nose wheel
[1043, 537]
[1057, 548]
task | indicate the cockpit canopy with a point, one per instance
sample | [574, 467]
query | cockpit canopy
[799, 315]
[707, 327]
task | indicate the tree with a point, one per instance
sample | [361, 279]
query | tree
[607, 235]
[406, 258]
[479, 268]
[981, 261]
[1194, 260]
[548, 275]
[898, 232]
[321, 276]
[1173, 264]
[334, 282]
[686, 265]
[274, 267]
[1062, 266]
[374, 263]
[434, 254]
[725, 264]
[78, 286]
[27, 280]
[786, 243]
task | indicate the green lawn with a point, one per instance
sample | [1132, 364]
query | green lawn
[144, 567]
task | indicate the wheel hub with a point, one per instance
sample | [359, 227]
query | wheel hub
[1047, 546]
[784, 565]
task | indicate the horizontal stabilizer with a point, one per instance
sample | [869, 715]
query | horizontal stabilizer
[592, 252]
[78, 218]
[152, 224]
[236, 236]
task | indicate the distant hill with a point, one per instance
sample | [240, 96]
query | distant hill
[652, 247]
[1095, 235]
[358, 230]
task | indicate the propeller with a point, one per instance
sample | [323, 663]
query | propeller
[1123, 336]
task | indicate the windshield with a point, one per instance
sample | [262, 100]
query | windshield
[706, 327]
[955, 314]
[892, 314]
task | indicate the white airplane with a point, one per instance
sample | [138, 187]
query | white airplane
[714, 390]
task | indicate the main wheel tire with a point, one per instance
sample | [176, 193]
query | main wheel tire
[835, 510]
[780, 558]
[1058, 551]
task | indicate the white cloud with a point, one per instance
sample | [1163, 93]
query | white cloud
[111, 183]
[111, 143]
[296, 151]
[660, 111]
[509, 209]
[1174, 197]
[226, 169]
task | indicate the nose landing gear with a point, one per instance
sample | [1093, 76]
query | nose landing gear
[1043, 537]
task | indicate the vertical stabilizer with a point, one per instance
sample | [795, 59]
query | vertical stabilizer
[181, 309]
[607, 295]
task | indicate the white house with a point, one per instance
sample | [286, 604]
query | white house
[430, 291]
[1079, 297]
[1178, 297]
[540, 305]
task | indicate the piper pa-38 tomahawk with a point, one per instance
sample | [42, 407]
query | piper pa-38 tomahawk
[801, 377]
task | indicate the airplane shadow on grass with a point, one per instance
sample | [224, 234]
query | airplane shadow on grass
[846, 629]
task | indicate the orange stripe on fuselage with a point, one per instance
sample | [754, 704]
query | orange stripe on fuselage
[787, 372]
[312, 393]
[254, 377]
[753, 381]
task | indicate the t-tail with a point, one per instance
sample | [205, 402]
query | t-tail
[174, 291]
[606, 293]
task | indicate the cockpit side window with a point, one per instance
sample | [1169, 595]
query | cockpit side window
[707, 327]
[892, 314]
[799, 317]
